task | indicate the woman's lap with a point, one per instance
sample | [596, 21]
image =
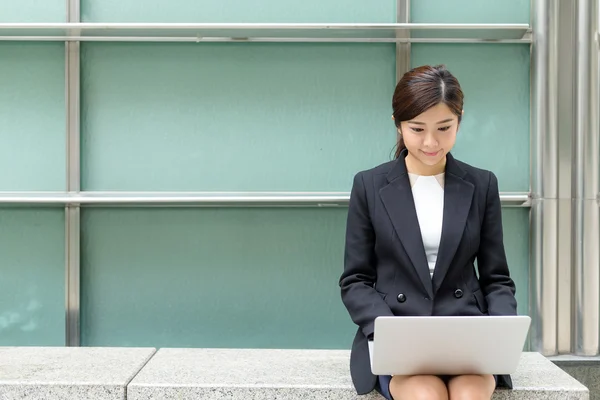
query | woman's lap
[383, 384]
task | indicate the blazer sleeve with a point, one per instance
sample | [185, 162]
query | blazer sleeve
[363, 302]
[494, 276]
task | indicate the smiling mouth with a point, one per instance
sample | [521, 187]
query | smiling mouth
[429, 154]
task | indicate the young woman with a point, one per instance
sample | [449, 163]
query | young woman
[415, 227]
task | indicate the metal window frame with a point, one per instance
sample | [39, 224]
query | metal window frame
[76, 199]
[266, 32]
[72, 210]
[73, 199]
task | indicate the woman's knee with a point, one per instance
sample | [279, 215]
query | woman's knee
[418, 387]
[472, 387]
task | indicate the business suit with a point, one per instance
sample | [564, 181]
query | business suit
[385, 268]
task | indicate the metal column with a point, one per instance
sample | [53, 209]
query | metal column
[72, 211]
[544, 216]
[566, 128]
[586, 257]
[402, 49]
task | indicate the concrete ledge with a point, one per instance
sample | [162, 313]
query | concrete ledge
[538, 378]
[304, 374]
[67, 373]
[586, 369]
[245, 374]
[61, 373]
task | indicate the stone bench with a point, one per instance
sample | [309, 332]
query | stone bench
[586, 369]
[145, 374]
[304, 374]
[69, 373]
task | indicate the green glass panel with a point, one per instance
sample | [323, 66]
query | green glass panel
[494, 133]
[33, 11]
[213, 278]
[516, 242]
[231, 11]
[235, 117]
[32, 284]
[227, 277]
[32, 116]
[469, 11]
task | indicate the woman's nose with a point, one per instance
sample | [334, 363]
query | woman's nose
[430, 140]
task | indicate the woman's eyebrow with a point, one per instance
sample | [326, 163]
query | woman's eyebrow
[423, 123]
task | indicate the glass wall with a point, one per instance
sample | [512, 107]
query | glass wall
[229, 117]
[32, 158]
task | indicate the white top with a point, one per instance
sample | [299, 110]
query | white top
[428, 194]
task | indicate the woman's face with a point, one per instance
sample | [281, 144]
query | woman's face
[430, 136]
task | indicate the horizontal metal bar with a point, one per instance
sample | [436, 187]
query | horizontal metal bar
[251, 25]
[510, 199]
[275, 32]
[252, 39]
[202, 199]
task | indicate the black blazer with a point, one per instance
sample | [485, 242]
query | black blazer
[385, 267]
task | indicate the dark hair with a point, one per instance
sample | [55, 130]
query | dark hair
[422, 88]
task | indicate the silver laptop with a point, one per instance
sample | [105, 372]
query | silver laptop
[448, 345]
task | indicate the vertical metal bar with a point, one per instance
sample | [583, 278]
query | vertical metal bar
[586, 222]
[72, 213]
[566, 128]
[544, 218]
[402, 49]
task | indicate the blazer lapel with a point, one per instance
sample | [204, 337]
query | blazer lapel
[458, 195]
[399, 203]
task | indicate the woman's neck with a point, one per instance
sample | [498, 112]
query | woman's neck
[414, 166]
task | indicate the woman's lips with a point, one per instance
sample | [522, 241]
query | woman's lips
[430, 154]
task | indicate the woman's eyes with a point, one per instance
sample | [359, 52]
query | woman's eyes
[442, 129]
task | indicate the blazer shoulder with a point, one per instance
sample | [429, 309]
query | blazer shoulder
[479, 176]
[372, 179]
[381, 169]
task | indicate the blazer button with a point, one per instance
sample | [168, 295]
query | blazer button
[401, 298]
[458, 293]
